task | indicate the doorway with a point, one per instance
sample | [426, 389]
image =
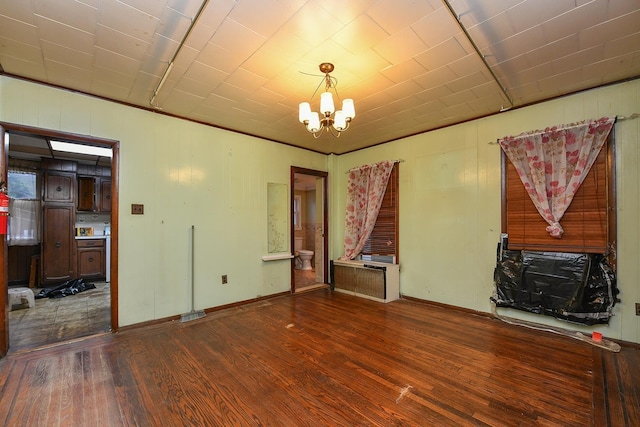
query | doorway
[309, 267]
[94, 253]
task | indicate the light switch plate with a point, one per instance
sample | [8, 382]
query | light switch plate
[137, 209]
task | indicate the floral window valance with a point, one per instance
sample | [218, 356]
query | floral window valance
[552, 163]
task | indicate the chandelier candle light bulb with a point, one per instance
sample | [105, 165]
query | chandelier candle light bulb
[317, 122]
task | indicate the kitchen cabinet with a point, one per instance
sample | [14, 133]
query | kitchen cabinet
[58, 245]
[94, 194]
[86, 194]
[91, 258]
[59, 187]
[105, 195]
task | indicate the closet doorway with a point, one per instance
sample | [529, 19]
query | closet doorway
[309, 267]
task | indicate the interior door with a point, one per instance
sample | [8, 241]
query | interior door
[314, 229]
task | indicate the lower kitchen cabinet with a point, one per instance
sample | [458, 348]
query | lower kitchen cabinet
[91, 258]
[58, 244]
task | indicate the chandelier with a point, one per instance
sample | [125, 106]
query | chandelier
[326, 119]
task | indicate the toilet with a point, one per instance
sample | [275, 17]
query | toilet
[303, 256]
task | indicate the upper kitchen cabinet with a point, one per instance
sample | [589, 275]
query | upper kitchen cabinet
[94, 188]
[86, 193]
[59, 187]
[105, 195]
[59, 181]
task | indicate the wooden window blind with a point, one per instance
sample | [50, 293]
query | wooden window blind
[384, 237]
[587, 223]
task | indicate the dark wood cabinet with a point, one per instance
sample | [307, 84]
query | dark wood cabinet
[86, 194]
[69, 187]
[59, 187]
[58, 243]
[91, 258]
[105, 195]
[94, 194]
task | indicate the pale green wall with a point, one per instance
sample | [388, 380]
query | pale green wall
[450, 203]
[185, 174]
[188, 174]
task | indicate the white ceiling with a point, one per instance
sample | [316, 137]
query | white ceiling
[246, 64]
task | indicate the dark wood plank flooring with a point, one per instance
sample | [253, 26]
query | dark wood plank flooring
[323, 359]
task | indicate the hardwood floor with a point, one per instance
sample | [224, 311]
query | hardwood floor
[323, 359]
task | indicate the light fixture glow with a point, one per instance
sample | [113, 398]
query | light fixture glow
[91, 150]
[317, 122]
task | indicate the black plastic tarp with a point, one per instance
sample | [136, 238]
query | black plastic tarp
[70, 287]
[575, 287]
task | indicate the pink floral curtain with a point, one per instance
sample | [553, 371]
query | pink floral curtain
[365, 190]
[553, 163]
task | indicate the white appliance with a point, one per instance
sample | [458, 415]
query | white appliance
[108, 257]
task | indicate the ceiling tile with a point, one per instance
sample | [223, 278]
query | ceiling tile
[17, 10]
[557, 49]
[264, 17]
[113, 61]
[610, 30]
[206, 74]
[128, 20]
[21, 67]
[441, 55]
[73, 38]
[313, 25]
[436, 27]
[77, 15]
[14, 48]
[490, 31]
[18, 30]
[396, 15]
[67, 56]
[574, 60]
[529, 13]
[401, 46]
[173, 25]
[575, 20]
[360, 34]
[229, 32]
[515, 45]
[404, 71]
[153, 8]
[115, 41]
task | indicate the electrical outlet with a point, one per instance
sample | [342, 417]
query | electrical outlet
[638, 309]
[224, 279]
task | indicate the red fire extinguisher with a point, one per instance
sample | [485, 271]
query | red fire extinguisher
[4, 212]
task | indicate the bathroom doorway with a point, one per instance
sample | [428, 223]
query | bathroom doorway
[309, 267]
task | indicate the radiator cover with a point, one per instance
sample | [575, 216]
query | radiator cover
[377, 281]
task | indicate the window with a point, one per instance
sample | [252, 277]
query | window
[589, 223]
[384, 237]
[24, 209]
[297, 212]
[22, 185]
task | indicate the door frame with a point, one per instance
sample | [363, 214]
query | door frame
[9, 128]
[325, 221]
